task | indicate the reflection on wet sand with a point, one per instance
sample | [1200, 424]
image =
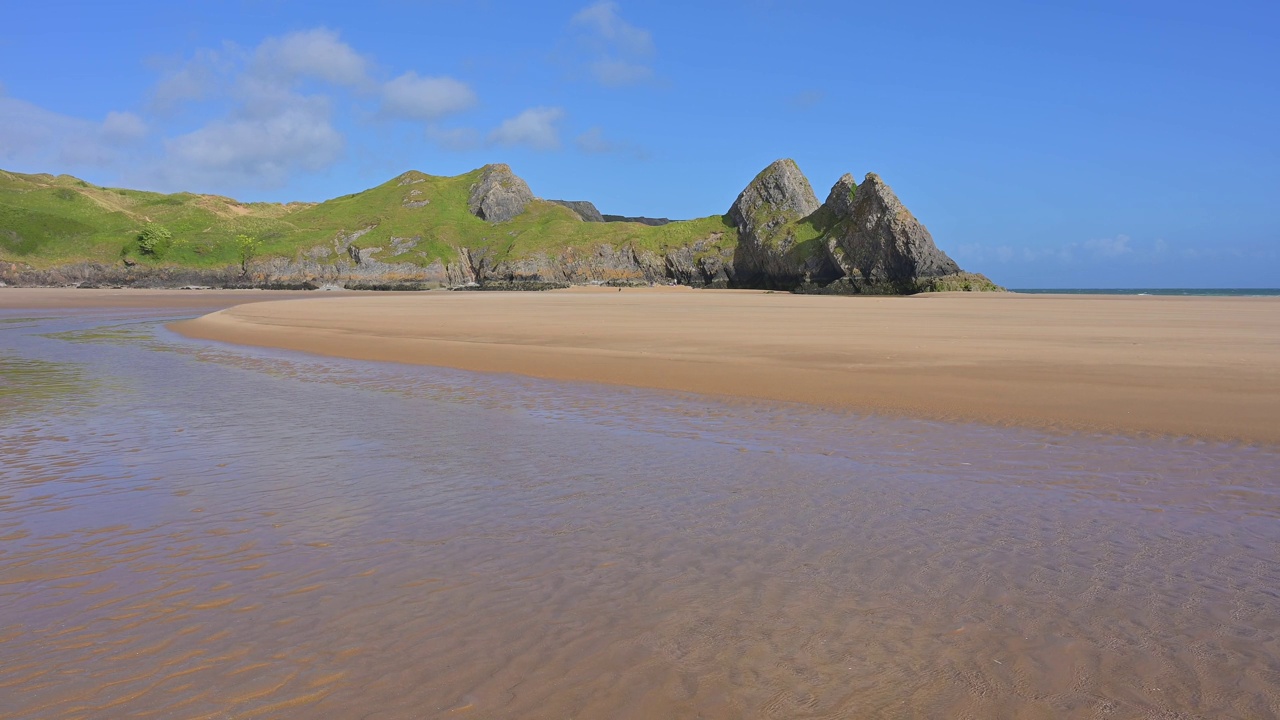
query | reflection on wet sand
[201, 531]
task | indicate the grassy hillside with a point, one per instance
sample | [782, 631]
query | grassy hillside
[47, 221]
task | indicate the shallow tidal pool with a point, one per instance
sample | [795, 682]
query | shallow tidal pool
[195, 530]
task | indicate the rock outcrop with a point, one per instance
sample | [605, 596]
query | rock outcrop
[588, 212]
[876, 242]
[770, 215]
[652, 222]
[583, 208]
[499, 195]
[780, 193]
[860, 240]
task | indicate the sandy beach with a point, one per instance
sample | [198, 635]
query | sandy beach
[1197, 367]
[201, 529]
[66, 298]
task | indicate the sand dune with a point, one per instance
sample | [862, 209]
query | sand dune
[1200, 367]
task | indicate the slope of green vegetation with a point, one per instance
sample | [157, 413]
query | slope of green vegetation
[47, 221]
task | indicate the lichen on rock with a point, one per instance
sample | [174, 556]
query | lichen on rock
[499, 195]
[877, 242]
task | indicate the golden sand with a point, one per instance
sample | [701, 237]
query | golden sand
[1191, 366]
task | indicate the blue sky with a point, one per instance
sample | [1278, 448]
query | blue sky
[1082, 144]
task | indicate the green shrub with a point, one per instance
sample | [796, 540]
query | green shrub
[248, 247]
[154, 239]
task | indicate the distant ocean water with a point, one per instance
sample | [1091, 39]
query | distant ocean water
[1223, 292]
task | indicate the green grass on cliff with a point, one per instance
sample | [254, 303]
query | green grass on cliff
[802, 237]
[47, 221]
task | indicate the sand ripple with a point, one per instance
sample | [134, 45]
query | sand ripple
[192, 531]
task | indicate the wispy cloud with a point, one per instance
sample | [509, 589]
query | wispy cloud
[197, 78]
[1109, 247]
[231, 117]
[33, 136]
[318, 54]
[279, 122]
[280, 100]
[261, 148]
[616, 52]
[1119, 261]
[595, 142]
[535, 128]
[123, 127]
[425, 98]
[1119, 247]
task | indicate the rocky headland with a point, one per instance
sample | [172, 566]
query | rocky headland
[487, 230]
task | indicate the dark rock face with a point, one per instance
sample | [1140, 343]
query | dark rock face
[876, 242]
[583, 208]
[778, 194]
[588, 212]
[499, 195]
[701, 265]
[116, 275]
[653, 222]
[766, 214]
[861, 240]
[704, 264]
[840, 199]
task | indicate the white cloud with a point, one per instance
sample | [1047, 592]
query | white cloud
[192, 80]
[317, 54]
[271, 128]
[256, 149]
[31, 134]
[535, 128]
[252, 117]
[425, 98]
[38, 139]
[123, 127]
[603, 19]
[616, 52]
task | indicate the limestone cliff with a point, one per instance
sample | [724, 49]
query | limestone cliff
[499, 195]
[407, 233]
[769, 215]
[876, 243]
[862, 239]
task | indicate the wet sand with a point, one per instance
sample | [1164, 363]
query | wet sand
[67, 298]
[193, 529]
[1199, 367]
